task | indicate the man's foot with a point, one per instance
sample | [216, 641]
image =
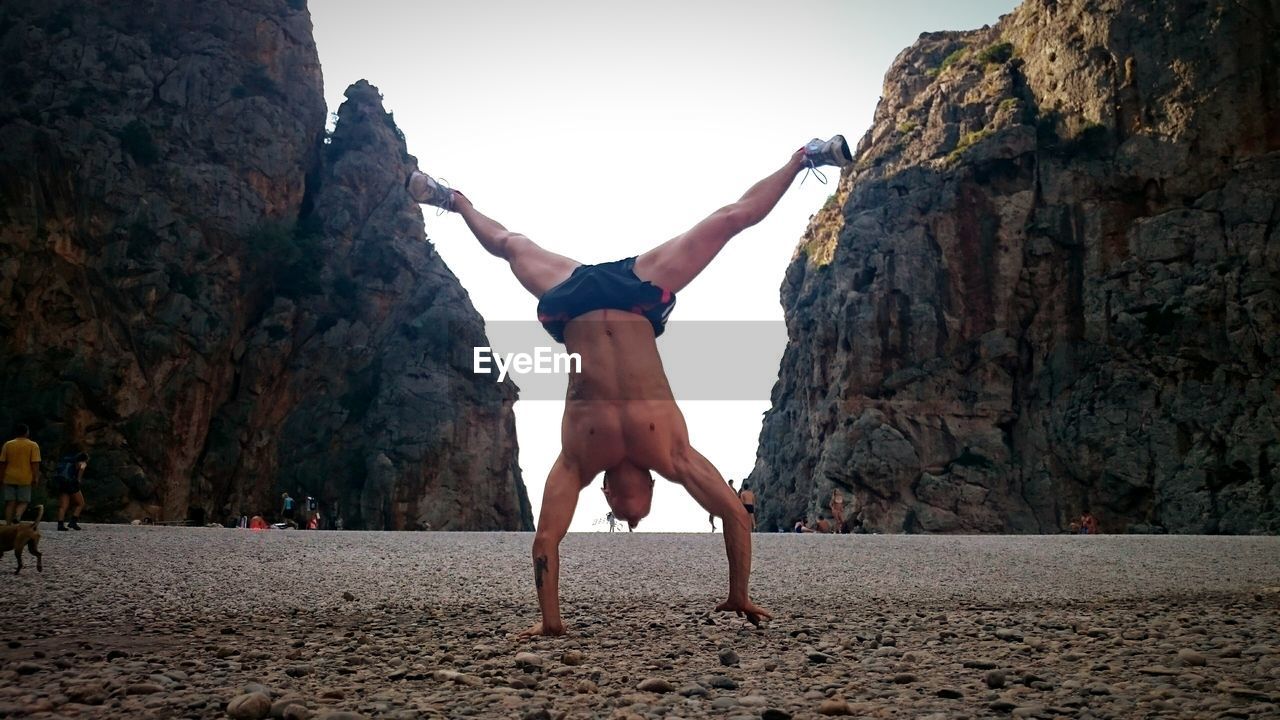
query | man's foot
[74, 525]
[835, 152]
[427, 190]
[61, 526]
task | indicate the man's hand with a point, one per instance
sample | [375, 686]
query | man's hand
[537, 629]
[754, 613]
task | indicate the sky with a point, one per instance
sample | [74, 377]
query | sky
[601, 129]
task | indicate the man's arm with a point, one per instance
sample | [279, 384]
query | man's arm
[559, 500]
[700, 478]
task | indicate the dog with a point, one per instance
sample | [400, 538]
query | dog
[17, 536]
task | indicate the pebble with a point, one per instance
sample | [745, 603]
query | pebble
[834, 706]
[775, 714]
[249, 706]
[348, 596]
[723, 682]
[1192, 658]
[728, 657]
[655, 685]
[994, 679]
[572, 657]
[528, 661]
[693, 691]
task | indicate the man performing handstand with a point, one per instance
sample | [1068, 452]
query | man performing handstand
[620, 417]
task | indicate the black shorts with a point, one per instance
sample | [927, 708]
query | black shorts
[67, 486]
[611, 285]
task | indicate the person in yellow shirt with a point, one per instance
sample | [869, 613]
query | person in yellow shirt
[20, 464]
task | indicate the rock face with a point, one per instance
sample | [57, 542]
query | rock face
[217, 299]
[1050, 283]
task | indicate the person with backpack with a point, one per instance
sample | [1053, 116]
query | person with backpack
[67, 482]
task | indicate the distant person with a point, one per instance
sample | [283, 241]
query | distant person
[287, 507]
[800, 527]
[314, 522]
[337, 523]
[748, 499]
[837, 509]
[20, 464]
[1088, 524]
[69, 475]
[258, 523]
[609, 518]
[823, 525]
[712, 519]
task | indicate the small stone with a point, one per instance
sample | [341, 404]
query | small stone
[775, 714]
[1007, 634]
[655, 685]
[1098, 689]
[346, 595]
[28, 668]
[723, 682]
[296, 711]
[980, 664]
[115, 654]
[249, 706]
[728, 657]
[298, 670]
[573, 657]
[536, 714]
[834, 706]
[724, 703]
[818, 658]
[528, 661]
[693, 691]
[994, 679]
[585, 687]
[1192, 658]
[341, 715]
[949, 693]
[1157, 670]
[279, 706]
[753, 701]
[904, 678]
[151, 689]
[332, 694]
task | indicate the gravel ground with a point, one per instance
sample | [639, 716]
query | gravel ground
[164, 622]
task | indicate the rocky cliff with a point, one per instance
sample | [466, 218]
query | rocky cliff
[1050, 283]
[216, 298]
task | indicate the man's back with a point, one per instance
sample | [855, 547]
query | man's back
[620, 406]
[18, 454]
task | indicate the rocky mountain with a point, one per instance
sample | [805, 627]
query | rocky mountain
[1050, 283]
[217, 298]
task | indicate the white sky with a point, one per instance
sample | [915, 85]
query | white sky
[600, 129]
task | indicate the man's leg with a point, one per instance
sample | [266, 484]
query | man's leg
[538, 270]
[675, 263]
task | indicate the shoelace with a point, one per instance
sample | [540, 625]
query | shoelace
[814, 171]
[442, 183]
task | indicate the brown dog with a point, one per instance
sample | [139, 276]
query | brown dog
[15, 537]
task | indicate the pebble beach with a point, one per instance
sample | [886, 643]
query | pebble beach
[152, 622]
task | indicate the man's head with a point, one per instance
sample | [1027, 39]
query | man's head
[21, 430]
[629, 491]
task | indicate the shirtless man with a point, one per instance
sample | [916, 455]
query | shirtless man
[837, 510]
[620, 417]
[748, 499]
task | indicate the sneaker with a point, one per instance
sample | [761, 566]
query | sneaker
[427, 190]
[834, 152]
[74, 525]
[61, 526]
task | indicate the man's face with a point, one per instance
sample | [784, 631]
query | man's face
[629, 492]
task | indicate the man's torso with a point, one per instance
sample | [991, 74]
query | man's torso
[620, 407]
